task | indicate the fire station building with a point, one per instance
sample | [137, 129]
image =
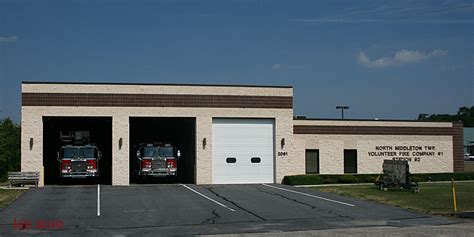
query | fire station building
[226, 134]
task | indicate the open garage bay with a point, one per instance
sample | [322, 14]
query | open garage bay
[179, 133]
[100, 131]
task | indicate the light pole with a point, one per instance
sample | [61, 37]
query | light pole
[342, 108]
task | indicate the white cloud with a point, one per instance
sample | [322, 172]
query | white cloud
[8, 39]
[399, 58]
[438, 52]
[276, 66]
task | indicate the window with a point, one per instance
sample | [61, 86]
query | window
[312, 161]
[255, 160]
[149, 151]
[87, 152]
[166, 151]
[230, 160]
[350, 161]
[69, 152]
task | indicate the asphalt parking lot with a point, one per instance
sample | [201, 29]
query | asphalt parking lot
[176, 209]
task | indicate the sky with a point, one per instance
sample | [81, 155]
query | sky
[383, 59]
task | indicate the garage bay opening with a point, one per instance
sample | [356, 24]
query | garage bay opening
[162, 150]
[77, 150]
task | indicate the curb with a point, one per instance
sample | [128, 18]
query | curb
[15, 188]
[466, 214]
[362, 184]
[330, 185]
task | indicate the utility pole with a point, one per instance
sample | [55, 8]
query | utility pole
[342, 108]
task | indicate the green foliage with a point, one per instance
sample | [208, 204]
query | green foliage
[10, 137]
[464, 114]
[416, 179]
[443, 176]
[370, 178]
[347, 179]
[302, 179]
[7, 196]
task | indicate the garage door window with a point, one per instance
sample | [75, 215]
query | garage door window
[312, 161]
[255, 160]
[230, 160]
[350, 161]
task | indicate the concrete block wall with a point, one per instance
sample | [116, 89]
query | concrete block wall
[32, 127]
[293, 163]
[203, 154]
[331, 146]
[331, 152]
[289, 159]
[31, 156]
[120, 154]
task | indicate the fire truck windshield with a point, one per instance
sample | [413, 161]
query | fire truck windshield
[69, 152]
[72, 152]
[87, 152]
[166, 151]
[149, 151]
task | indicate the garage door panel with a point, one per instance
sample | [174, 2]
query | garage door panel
[243, 139]
[262, 167]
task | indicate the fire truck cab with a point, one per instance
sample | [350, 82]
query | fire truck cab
[77, 157]
[156, 160]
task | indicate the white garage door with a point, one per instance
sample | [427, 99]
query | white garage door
[242, 151]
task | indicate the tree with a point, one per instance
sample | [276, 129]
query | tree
[10, 140]
[464, 114]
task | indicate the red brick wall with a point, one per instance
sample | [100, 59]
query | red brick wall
[156, 100]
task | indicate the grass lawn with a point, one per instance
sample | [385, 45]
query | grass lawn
[9, 195]
[435, 198]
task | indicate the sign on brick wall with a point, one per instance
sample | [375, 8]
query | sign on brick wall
[409, 153]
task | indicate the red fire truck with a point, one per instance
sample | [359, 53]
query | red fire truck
[156, 160]
[77, 157]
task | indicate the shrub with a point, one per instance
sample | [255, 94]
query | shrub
[330, 179]
[302, 179]
[415, 179]
[369, 178]
[345, 179]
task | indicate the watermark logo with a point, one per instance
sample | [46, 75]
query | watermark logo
[22, 224]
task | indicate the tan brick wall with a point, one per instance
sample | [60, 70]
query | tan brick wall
[203, 154]
[371, 123]
[331, 146]
[120, 155]
[156, 89]
[32, 127]
[293, 163]
[331, 149]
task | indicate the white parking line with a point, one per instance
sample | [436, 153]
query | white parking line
[140, 211]
[309, 195]
[208, 198]
[98, 199]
